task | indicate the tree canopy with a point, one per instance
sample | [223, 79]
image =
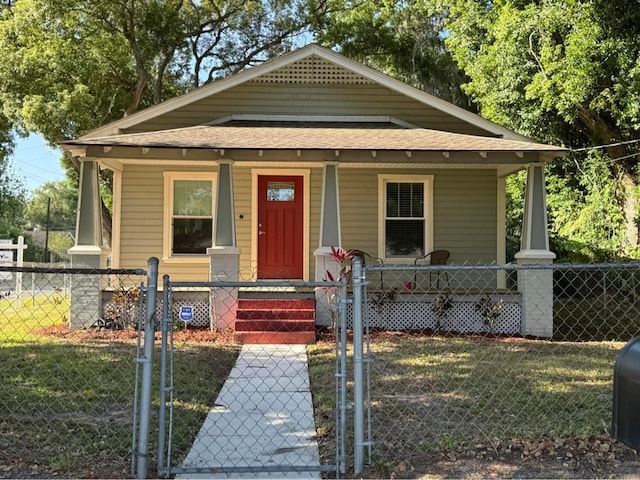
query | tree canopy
[12, 201]
[564, 72]
[559, 71]
[53, 204]
[69, 66]
[403, 39]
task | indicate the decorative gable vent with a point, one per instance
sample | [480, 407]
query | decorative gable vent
[313, 69]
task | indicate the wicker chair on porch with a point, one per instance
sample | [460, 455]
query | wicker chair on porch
[436, 257]
[364, 257]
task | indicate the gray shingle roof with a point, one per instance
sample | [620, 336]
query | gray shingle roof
[316, 138]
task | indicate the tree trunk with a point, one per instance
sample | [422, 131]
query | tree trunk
[107, 223]
[630, 206]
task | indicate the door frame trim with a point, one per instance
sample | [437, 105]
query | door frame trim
[305, 173]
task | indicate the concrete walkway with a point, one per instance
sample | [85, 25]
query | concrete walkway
[263, 417]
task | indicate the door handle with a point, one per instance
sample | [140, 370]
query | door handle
[261, 232]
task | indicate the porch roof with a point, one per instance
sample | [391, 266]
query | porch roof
[316, 138]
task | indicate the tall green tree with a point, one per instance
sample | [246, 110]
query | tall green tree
[54, 205]
[69, 66]
[404, 39]
[564, 72]
[72, 65]
[12, 201]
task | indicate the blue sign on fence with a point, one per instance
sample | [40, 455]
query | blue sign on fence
[186, 313]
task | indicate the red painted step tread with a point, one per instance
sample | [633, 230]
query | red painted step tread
[275, 337]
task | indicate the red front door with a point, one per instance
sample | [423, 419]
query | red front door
[280, 227]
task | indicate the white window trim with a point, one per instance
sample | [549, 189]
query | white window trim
[169, 177]
[427, 180]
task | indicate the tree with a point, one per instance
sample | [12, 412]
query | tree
[564, 72]
[403, 39]
[12, 201]
[69, 66]
[59, 245]
[60, 200]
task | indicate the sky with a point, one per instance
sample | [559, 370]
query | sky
[35, 162]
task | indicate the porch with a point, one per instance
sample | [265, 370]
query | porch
[598, 297]
[468, 302]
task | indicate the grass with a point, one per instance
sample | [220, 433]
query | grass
[24, 322]
[66, 404]
[432, 393]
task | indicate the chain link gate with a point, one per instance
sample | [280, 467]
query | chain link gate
[260, 415]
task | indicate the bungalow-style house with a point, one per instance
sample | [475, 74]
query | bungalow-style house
[258, 175]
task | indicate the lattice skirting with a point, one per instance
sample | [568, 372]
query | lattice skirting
[405, 312]
[462, 316]
[199, 301]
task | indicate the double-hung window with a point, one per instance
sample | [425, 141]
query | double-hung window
[405, 215]
[189, 210]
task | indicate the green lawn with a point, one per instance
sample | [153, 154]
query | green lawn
[66, 404]
[431, 393]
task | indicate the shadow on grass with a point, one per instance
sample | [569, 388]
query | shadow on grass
[432, 394]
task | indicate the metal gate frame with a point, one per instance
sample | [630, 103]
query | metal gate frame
[166, 387]
[143, 389]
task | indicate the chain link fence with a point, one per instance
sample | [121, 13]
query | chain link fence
[258, 411]
[67, 344]
[488, 358]
[492, 358]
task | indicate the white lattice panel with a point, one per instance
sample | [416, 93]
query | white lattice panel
[313, 70]
[200, 304]
[418, 314]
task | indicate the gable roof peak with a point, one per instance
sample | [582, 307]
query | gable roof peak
[302, 66]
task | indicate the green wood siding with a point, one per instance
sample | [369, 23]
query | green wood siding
[300, 99]
[464, 210]
[142, 216]
[464, 206]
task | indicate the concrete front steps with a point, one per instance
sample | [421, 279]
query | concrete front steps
[276, 321]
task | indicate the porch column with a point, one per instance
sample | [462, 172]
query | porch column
[224, 255]
[88, 251]
[535, 285]
[330, 236]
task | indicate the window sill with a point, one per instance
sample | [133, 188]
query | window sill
[204, 259]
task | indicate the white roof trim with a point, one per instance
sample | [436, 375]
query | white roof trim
[269, 66]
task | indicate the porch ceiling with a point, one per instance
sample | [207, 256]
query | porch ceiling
[315, 138]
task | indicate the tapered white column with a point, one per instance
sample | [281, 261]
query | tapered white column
[535, 284]
[88, 251]
[224, 255]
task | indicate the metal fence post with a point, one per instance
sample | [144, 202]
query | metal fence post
[147, 369]
[358, 371]
[342, 447]
[166, 324]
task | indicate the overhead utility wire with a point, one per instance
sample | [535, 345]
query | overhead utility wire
[605, 146]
